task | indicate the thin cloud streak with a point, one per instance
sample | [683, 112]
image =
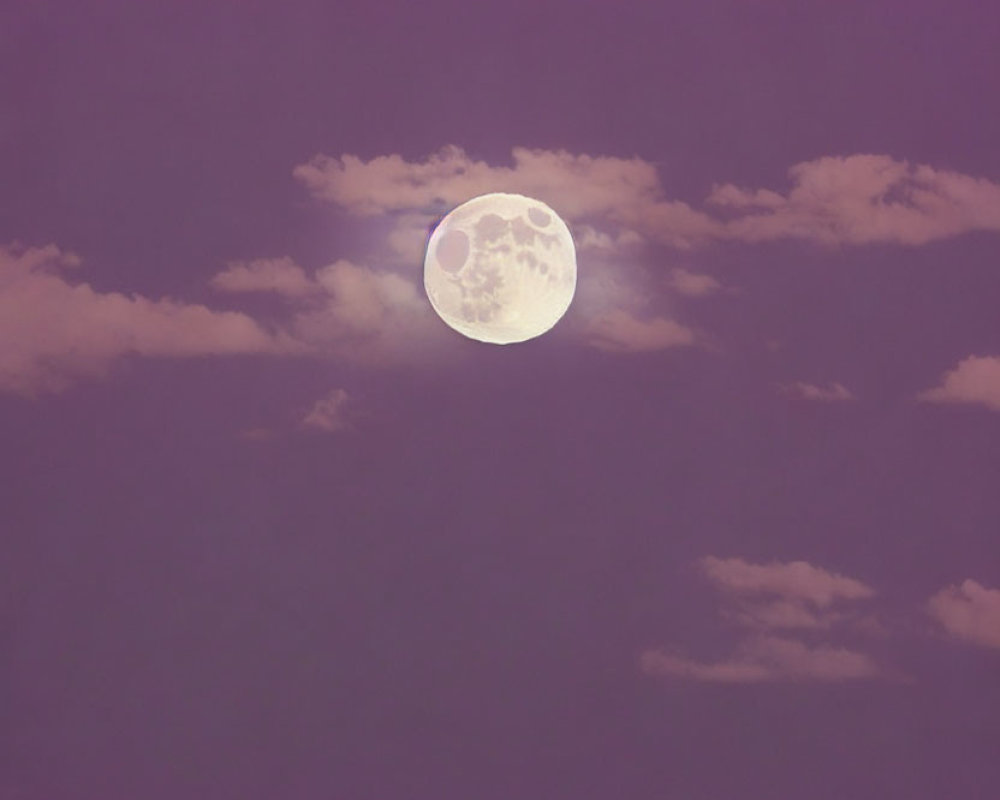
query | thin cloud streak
[767, 658]
[765, 599]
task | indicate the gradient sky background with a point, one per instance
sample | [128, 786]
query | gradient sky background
[270, 529]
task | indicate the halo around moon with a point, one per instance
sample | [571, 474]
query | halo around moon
[501, 268]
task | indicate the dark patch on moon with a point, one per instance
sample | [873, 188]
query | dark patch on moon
[539, 217]
[523, 232]
[525, 257]
[452, 250]
[490, 227]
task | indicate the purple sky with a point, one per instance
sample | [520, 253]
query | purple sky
[271, 529]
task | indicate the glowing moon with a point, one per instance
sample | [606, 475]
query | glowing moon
[501, 268]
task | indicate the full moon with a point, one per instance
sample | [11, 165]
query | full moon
[501, 268]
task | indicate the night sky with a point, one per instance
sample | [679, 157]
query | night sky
[270, 529]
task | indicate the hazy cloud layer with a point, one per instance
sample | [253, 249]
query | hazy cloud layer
[764, 600]
[970, 612]
[54, 330]
[975, 380]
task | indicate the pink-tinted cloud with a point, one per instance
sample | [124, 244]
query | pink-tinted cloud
[329, 414]
[618, 331]
[611, 310]
[796, 580]
[577, 185]
[975, 380]
[834, 393]
[408, 238]
[347, 311]
[53, 331]
[587, 237]
[767, 658]
[369, 316]
[279, 275]
[969, 611]
[862, 199]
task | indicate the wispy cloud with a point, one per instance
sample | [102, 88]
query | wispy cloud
[795, 580]
[766, 658]
[975, 381]
[765, 599]
[618, 331]
[329, 414]
[345, 310]
[693, 284]
[588, 237]
[369, 316]
[970, 612]
[834, 393]
[862, 199]
[54, 330]
[278, 275]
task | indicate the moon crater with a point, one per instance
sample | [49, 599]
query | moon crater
[453, 250]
